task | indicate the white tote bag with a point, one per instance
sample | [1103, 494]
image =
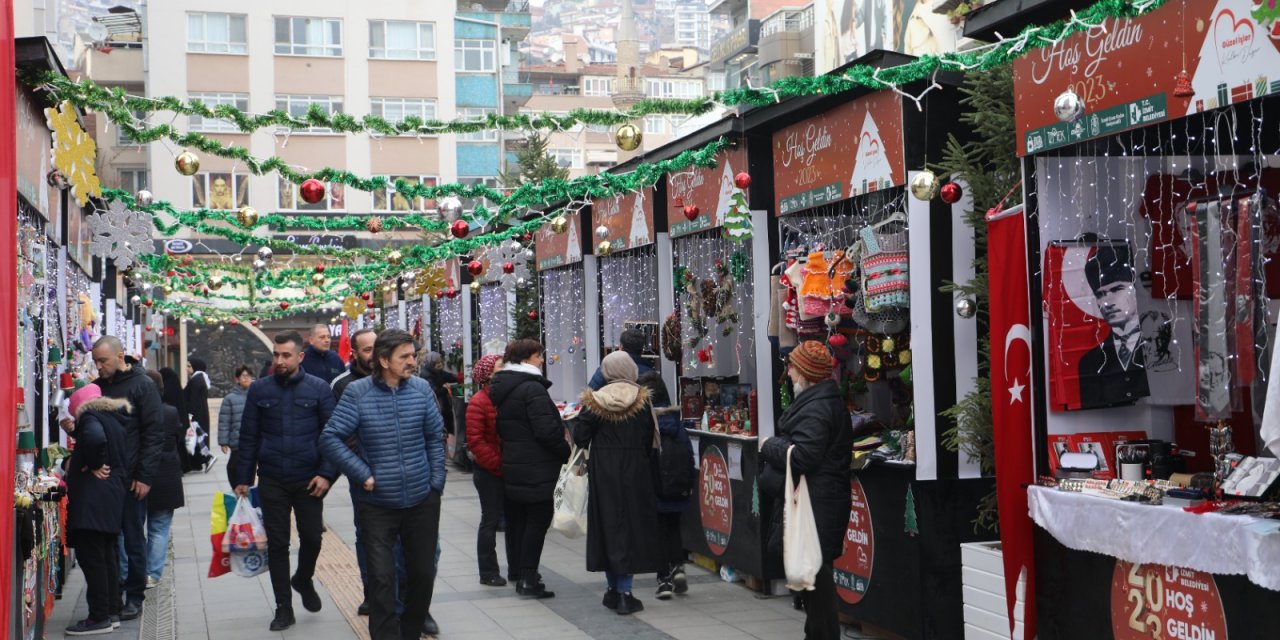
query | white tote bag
[801, 551]
[570, 497]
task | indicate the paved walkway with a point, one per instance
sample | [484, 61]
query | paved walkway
[190, 606]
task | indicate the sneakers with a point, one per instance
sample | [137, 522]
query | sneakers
[152, 583]
[611, 599]
[115, 622]
[363, 609]
[429, 627]
[628, 604]
[307, 589]
[666, 590]
[283, 620]
[493, 581]
[679, 580]
[131, 611]
[89, 627]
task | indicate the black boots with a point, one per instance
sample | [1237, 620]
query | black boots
[283, 620]
[530, 585]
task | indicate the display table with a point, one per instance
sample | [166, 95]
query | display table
[1145, 534]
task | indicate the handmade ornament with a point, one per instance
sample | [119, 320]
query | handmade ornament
[670, 338]
[459, 228]
[247, 216]
[924, 185]
[187, 163]
[742, 180]
[119, 234]
[75, 153]
[691, 212]
[951, 193]
[373, 224]
[726, 312]
[450, 208]
[966, 308]
[1068, 107]
[311, 191]
[559, 224]
[144, 198]
[628, 137]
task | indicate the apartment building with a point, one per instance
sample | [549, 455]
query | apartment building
[733, 59]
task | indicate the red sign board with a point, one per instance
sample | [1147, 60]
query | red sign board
[716, 499]
[628, 217]
[1126, 73]
[853, 149]
[853, 569]
[553, 249]
[1152, 601]
[710, 190]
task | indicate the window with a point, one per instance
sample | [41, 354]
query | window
[667, 88]
[132, 180]
[219, 191]
[597, 86]
[216, 33]
[471, 203]
[655, 125]
[476, 113]
[122, 138]
[309, 37]
[474, 55]
[399, 40]
[289, 200]
[567, 158]
[397, 109]
[200, 123]
[297, 107]
[388, 200]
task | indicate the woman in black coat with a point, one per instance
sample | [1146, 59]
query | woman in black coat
[173, 396]
[433, 371]
[617, 423]
[533, 449]
[197, 398]
[166, 494]
[817, 424]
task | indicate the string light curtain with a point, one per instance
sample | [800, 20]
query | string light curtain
[449, 323]
[495, 319]
[563, 313]
[732, 354]
[628, 291]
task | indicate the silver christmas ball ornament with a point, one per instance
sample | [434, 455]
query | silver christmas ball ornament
[265, 253]
[144, 198]
[259, 264]
[265, 290]
[602, 232]
[1069, 106]
[450, 208]
[966, 308]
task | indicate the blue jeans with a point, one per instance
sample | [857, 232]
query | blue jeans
[620, 582]
[158, 524]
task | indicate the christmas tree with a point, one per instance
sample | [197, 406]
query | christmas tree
[910, 526]
[737, 223]
[533, 164]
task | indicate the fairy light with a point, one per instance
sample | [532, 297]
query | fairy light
[732, 354]
[628, 291]
[449, 323]
[495, 316]
[563, 312]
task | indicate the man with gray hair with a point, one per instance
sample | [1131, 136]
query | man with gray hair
[318, 359]
[144, 444]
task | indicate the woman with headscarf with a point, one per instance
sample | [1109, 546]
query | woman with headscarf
[486, 452]
[166, 494]
[197, 396]
[816, 430]
[434, 372]
[617, 423]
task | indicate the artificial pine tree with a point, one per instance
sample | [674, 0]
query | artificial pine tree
[533, 164]
[737, 222]
[909, 525]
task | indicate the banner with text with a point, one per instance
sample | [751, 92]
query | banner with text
[553, 249]
[710, 190]
[628, 217]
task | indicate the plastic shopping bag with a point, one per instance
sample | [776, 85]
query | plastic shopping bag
[244, 530]
[570, 497]
[801, 550]
[223, 504]
[192, 441]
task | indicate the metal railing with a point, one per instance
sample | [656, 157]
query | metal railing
[785, 21]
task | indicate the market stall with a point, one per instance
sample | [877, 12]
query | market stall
[1150, 219]
[563, 311]
[627, 270]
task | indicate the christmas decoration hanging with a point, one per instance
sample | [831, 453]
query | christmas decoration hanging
[1068, 107]
[459, 228]
[691, 212]
[604, 248]
[507, 267]
[1182, 85]
[318, 279]
[395, 258]
[742, 180]
[75, 153]
[533, 314]
[284, 306]
[247, 217]
[737, 221]
[265, 253]
[144, 198]
[924, 185]
[265, 290]
[559, 224]
[475, 287]
[628, 137]
[475, 267]
[950, 193]
[373, 224]
[119, 234]
[311, 191]
[966, 308]
[450, 208]
[602, 232]
[671, 348]
[187, 163]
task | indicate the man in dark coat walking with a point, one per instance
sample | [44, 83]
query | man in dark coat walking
[144, 443]
[280, 441]
[318, 359]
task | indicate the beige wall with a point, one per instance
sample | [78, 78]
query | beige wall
[309, 76]
[313, 151]
[217, 73]
[406, 156]
[403, 79]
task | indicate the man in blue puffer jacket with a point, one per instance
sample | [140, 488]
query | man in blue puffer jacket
[394, 417]
[280, 440]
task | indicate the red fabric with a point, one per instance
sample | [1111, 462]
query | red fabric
[482, 433]
[1010, 320]
[8, 294]
[344, 344]
[1171, 272]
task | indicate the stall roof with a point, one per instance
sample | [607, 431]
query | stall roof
[1009, 17]
[35, 53]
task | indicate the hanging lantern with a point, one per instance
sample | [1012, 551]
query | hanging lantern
[187, 163]
[628, 137]
[311, 191]
[924, 185]
[247, 216]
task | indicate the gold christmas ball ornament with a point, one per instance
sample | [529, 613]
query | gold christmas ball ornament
[628, 137]
[924, 186]
[395, 258]
[187, 163]
[559, 224]
[604, 248]
[215, 283]
[475, 286]
[247, 216]
[318, 279]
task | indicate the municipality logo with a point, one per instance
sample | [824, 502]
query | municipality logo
[1135, 114]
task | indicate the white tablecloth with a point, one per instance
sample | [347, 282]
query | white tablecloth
[1146, 534]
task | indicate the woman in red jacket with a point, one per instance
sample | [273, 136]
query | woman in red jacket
[486, 450]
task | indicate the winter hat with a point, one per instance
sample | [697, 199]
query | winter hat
[483, 369]
[83, 395]
[812, 360]
[618, 366]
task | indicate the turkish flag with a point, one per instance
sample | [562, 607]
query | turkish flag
[344, 344]
[1010, 321]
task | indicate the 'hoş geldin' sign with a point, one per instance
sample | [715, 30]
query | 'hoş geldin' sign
[1126, 73]
[710, 190]
[628, 217]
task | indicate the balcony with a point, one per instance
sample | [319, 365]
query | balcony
[786, 37]
[516, 21]
[114, 64]
[515, 95]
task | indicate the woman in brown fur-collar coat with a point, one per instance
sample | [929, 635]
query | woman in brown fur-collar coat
[617, 424]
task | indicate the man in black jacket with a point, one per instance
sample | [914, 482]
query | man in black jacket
[279, 441]
[144, 444]
[318, 359]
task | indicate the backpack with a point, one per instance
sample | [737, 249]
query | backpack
[674, 471]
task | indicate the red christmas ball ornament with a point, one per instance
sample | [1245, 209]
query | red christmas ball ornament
[704, 356]
[691, 211]
[284, 306]
[950, 193]
[311, 191]
[171, 273]
[234, 322]
[838, 340]
[507, 267]
[533, 314]
[204, 291]
[475, 267]
[254, 322]
[369, 304]
[450, 293]
[439, 295]
[187, 260]
[460, 228]
[528, 237]
[365, 295]
[742, 180]
[319, 268]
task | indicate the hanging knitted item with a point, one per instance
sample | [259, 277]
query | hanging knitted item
[884, 271]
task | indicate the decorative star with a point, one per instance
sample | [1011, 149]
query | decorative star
[1015, 392]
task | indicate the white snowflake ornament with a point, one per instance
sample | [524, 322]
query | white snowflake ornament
[501, 255]
[120, 234]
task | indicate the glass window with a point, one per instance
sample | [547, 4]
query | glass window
[200, 123]
[397, 109]
[567, 158]
[219, 191]
[132, 180]
[668, 88]
[401, 40]
[388, 200]
[216, 33]
[289, 200]
[655, 125]
[474, 55]
[471, 203]
[297, 107]
[477, 113]
[597, 86]
[309, 36]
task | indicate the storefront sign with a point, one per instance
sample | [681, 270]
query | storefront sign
[553, 249]
[1126, 73]
[716, 500]
[628, 217]
[746, 36]
[853, 569]
[851, 150]
[1152, 601]
[710, 190]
